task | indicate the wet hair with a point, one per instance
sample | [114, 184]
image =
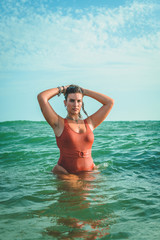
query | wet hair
[75, 89]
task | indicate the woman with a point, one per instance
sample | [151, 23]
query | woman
[74, 135]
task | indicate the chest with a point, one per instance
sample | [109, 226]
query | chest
[78, 127]
[73, 140]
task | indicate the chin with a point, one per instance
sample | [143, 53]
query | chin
[76, 112]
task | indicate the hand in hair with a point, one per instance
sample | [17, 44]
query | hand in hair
[65, 88]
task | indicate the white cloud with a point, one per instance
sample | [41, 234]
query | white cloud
[96, 38]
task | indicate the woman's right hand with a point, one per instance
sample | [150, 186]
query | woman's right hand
[64, 89]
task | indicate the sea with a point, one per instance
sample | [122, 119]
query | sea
[118, 200]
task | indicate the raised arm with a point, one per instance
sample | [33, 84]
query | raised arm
[49, 114]
[99, 116]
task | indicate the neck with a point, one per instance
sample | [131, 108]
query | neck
[74, 117]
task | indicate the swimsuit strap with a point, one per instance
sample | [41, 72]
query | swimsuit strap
[87, 125]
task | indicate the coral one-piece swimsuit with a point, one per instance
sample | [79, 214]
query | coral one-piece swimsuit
[75, 149]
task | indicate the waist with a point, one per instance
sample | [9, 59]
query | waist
[75, 153]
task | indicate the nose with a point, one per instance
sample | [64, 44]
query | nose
[76, 103]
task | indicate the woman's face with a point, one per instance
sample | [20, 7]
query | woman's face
[74, 103]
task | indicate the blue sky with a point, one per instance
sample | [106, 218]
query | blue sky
[108, 46]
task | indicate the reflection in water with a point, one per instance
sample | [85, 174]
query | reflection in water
[79, 211]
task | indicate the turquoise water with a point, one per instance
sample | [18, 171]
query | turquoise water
[120, 200]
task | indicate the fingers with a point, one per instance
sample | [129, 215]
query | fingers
[65, 88]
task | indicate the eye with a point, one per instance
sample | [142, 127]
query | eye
[71, 100]
[79, 101]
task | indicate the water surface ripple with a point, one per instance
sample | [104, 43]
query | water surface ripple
[120, 200]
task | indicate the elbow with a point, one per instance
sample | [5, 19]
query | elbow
[41, 98]
[109, 103]
[38, 97]
[112, 102]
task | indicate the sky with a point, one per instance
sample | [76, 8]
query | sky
[109, 46]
